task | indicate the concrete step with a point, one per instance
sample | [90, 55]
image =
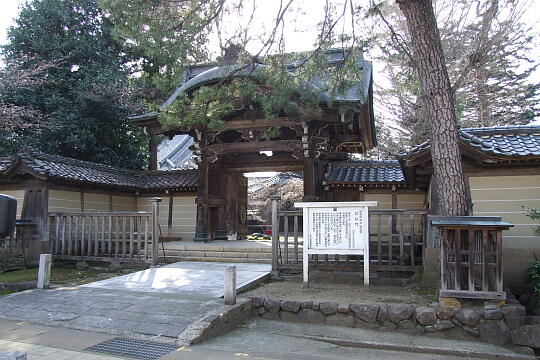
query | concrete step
[219, 254]
[218, 248]
[172, 259]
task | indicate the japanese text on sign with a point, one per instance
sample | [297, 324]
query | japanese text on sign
[336, 228]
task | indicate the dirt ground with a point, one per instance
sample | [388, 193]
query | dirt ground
[325, 290]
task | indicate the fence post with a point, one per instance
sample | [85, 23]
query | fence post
[44, 272]
[155, 229]
[230, 285]
[275, 229]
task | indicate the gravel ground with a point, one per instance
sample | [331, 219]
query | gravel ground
[341, 293]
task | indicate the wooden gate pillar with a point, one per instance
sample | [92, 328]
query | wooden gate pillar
[313, 172]
[221, 231]
[309, 179]
[203, 213]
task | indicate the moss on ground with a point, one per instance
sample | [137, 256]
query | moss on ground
[61, 275]
[429, 293]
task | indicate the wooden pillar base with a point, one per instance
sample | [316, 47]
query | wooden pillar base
[220, 234]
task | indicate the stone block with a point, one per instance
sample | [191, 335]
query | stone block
[306, 304]
[472, 331]
[399, 312]
[493, 313]
[382, 316]
[366, 311]
[328, 308]
[406, 324]
[272, 305]
[444, 325]
[442, 312]
[261, 310]
[340, 319]
[449, 303]
[344, 309]
[467, 317]
[426, 316]
[290, 306]
[528, 335]
[514, 315]
[494, 332]
[315, 305]
[257, 302]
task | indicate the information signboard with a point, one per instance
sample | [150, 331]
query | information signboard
[339, 228]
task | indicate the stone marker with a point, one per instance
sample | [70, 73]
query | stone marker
[44, 273]
[13, 355]
[230, 285]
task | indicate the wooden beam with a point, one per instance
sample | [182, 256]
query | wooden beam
[243, 147]
[260, 123]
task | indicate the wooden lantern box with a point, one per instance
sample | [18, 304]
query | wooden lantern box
[470, 253]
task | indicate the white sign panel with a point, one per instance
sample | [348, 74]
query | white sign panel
[336, 228]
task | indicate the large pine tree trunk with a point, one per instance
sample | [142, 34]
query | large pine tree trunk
[438, 101]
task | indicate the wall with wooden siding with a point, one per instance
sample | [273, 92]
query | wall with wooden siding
[124, 203]
[504, 196]
[64, 201]
[96, 202]
[176, 221]
[17, 194]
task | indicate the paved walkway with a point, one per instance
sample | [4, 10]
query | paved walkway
[256, 342]
[196, 280]
[160, 302]
[123, 313]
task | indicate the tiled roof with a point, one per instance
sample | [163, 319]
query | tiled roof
[365, 172]
[511, 141]
[357, 93]
[61, 168]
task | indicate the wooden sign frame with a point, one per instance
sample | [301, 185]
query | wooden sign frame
[358, 227]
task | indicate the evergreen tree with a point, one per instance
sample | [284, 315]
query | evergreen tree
[85, 102]
[487, 49]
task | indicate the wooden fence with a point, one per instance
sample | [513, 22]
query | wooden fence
[396, 242]
[105, 236]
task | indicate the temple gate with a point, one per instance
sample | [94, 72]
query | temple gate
[241, 145]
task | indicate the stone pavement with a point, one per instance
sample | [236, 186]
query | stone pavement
[161, 301]
[124, 313]
[200, 280]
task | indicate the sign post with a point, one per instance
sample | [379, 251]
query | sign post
[340, 228]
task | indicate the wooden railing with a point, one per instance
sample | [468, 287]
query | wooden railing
[105, 236]
[396, 242]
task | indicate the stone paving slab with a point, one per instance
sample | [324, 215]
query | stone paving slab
[197, 280]
[121, 313]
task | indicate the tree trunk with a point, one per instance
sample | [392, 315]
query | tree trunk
[439, 106]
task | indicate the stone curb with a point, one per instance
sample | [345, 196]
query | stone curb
[491, 324]
[419, 349]
[217, 322]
